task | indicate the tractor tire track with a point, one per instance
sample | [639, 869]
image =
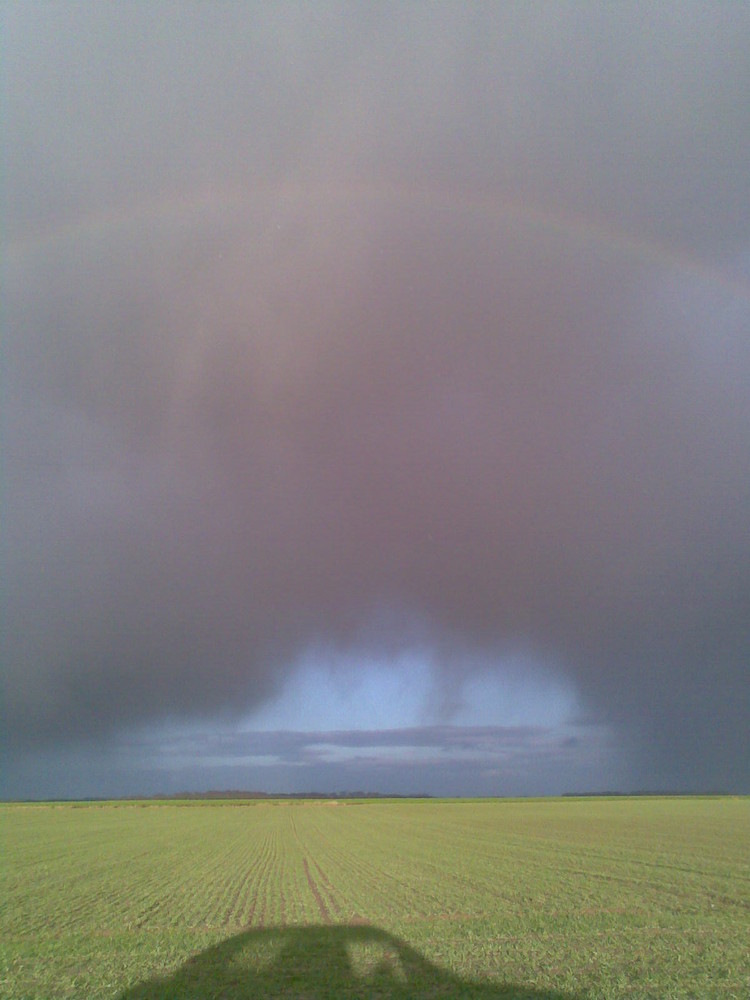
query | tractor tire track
[324, 912]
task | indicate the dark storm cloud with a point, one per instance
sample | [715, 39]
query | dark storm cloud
[350, 325]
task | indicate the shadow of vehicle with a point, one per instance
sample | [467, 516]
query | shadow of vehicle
[320, 963]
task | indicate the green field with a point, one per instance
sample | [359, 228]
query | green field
[545, 900]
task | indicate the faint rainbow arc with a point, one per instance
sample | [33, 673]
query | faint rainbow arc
[189, 207]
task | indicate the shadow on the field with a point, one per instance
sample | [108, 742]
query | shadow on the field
[313, 963]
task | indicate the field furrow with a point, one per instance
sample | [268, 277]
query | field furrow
[566, 900]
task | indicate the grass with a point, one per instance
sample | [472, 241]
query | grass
[542, 900]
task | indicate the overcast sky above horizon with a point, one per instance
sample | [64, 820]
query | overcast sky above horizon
[376, 398]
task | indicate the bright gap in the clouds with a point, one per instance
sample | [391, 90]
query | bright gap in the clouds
[397, 725]
[329, 693]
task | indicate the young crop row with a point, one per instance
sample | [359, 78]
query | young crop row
[583, 897]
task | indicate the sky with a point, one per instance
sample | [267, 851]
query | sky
[375, 398]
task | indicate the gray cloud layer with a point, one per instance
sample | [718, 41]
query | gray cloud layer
[436, 760]
[345, 324]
